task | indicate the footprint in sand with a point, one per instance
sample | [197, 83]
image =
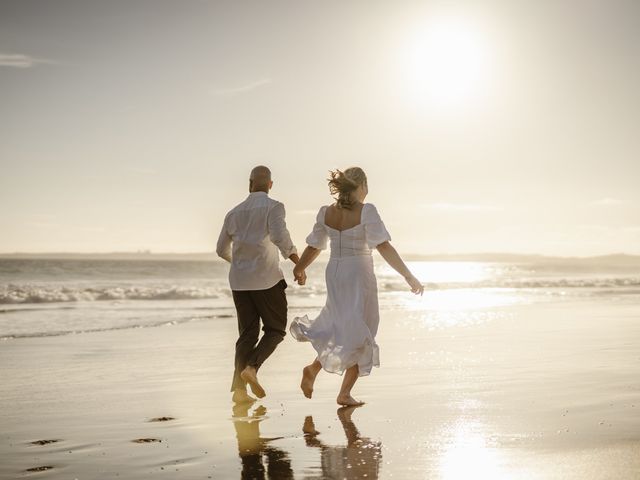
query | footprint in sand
[44, 442]
[162, 419]
[146, 440]
[39, 469]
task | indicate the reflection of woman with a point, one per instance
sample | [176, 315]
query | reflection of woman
[252, 447]
[360, 458]
[343, 335]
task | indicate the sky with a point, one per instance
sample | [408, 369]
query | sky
[483, 126]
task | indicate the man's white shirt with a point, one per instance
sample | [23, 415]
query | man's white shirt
[251, 236]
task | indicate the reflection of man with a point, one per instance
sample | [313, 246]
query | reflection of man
[360, 458]
[256, 230]
[251, 447]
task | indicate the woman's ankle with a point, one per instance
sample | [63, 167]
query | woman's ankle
[313, 368]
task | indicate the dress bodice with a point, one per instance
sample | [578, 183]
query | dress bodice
[348, 242]
[355, 241]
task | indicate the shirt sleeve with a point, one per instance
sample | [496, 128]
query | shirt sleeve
[375, 231]
[278, 232]
[223, 248]
[318, 236]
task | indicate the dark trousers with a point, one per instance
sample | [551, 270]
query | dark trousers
[270, 305]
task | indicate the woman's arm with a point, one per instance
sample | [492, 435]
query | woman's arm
[308, 256]
[392, 257]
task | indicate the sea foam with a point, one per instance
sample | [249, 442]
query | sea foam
[22, 294]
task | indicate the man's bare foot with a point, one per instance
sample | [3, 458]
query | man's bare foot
[348, 401]
[308, 378]
[241, 396]
[250, 376]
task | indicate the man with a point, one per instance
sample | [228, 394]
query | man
[255, 230]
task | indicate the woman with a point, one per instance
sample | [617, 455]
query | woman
[343, 335]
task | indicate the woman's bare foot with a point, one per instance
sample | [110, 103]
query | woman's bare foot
[348, 401]
[308, 378]
[309, 427]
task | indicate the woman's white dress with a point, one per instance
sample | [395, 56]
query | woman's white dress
[344, 333]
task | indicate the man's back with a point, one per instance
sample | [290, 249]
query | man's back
[253, 232]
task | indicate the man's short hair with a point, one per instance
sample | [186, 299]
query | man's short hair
[260, 176]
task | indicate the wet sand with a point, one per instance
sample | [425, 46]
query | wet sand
[545, 390]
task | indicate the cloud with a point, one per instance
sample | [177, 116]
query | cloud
[594, 227]
[17, 60]
[90, 228]
[607, 202]
[232, 91]
[42, 225]
[141, 170]
[460, 207]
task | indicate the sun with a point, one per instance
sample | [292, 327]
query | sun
[447, 63]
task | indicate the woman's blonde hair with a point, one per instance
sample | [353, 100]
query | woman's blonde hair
[344, 183]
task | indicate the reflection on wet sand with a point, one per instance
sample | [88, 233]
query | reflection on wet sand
[255, 451]
[360, 458]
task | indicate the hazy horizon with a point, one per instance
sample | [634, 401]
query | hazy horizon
[489, 126]
[614, 257]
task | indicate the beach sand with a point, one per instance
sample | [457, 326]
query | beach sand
[527, 391]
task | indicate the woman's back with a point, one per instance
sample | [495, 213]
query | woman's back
[349, 232]
[341, 218]
[345, 230]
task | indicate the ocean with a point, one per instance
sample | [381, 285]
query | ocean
[519, 368]
[46, 297]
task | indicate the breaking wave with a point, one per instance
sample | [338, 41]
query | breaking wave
[25, 294]
[42, 294]
[593, 283]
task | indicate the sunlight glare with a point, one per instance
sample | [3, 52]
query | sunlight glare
[450, 272]
[469, 299]
[468, 454]
[447, 63]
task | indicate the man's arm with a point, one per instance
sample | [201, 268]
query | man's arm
[279, 234]
[223, 248]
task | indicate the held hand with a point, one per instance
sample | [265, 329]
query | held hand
[299, 275]
[415, 285]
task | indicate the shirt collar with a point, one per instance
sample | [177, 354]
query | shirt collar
[257, 194]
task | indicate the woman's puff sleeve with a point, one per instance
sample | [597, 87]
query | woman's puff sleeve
[375, 231]
[318, 236]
